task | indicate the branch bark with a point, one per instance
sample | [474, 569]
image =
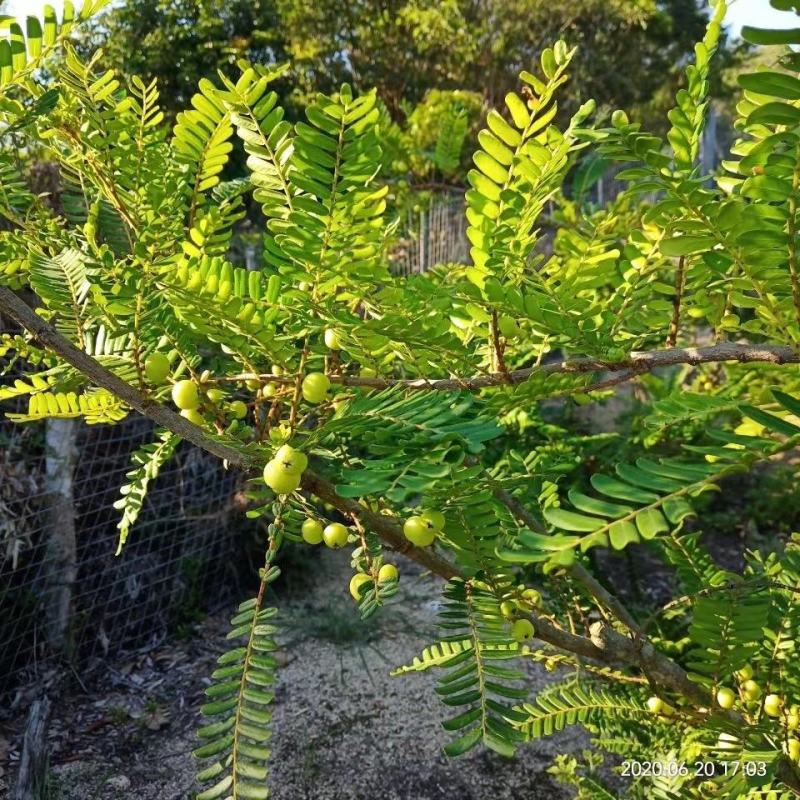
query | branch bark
[637, 363]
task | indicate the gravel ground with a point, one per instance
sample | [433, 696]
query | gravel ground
[343, 728]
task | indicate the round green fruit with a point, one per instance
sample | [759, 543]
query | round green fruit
[356, 582]
[184, 395]
[335, 535]
[315, 387]
[215, 395]
[773, 705]
[387, 573]
[522, 630]
[435, 518]
[279, 480]
[193, 415]
[726, 697]
[745, 673]
[532, 596]
[332, 339]
[238, 409]
[156, 367]
[655, 705]
[507, 609]
[752, 691]
[269, 391]
[311, 531]
[793, 719]
[252, 384]
[419, 531]
[291, 460]
[367, 372]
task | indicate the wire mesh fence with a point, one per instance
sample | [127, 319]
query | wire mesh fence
[63, 592]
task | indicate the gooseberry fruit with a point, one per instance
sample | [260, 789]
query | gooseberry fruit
[269, 391]
[773, 705]
[745, 673]
[726, 698]
[356, 582]
[436, 519]
[507, 609]
[184, 395]
[387, 573]
[419, 531]
[532, 596]
[522, 630]
[332, 339]
[315, 387]
[291, 460]
[311, 531]
[193, 415]
[252, 384]
[368, 372]
[156, 367]
[238, 409]
[335, 535]
[215, 395]
[752, 691]
[279, 480]
[655, 705]
[793, 719]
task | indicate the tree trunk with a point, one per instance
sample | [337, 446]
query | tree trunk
[32, 776]
[61, 453]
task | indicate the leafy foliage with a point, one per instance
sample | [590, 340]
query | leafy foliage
[407, 409]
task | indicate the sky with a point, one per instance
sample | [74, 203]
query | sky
[742, 12]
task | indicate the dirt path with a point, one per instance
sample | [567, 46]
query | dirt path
[343, 728]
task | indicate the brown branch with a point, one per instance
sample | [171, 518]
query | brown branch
[605, 645]
[638, 362]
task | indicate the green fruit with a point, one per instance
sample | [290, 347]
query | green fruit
[252, 384]
[726, 697]
[291, 460]
[238, 409]
[522, 630]
[751, 690]
[619, 118]
[655, 705]
[507, 609]
[435, 518]
[532, 596]
[335, 535]
[276, 370]
[315, 387]
[312, 531]
[367, 372]
[793, 719]
[387, 573]
[509, 327]
[332, 339]
[356, 582]
[419, 531]
[269, 391]
[156, 367]
[215, 395]
[279, 480]
[184, 395]
[745, 673]
[193, 415]
[773, 705]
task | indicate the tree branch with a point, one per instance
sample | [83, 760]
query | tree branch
[605, 645]
[637, 363]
